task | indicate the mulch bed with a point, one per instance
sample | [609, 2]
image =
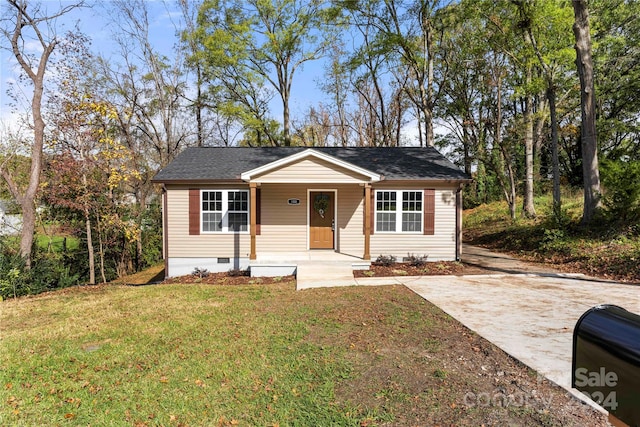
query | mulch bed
[441, 268]
[228, 278]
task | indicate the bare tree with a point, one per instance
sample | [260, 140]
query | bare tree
[27, 22]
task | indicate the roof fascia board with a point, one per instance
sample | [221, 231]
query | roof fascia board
[427, 181]
[248, 175]
[200, 181]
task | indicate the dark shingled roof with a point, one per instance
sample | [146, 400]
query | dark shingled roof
[227, 163]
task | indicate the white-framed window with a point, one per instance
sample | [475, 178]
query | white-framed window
[399, 211]
[225, 211]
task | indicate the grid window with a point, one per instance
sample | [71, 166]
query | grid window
[225, 211]
[412, 211]
[399, 211]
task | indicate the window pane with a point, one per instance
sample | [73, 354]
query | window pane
[238, 222]
[386, 201]
[238, 201]
[385, 221]
[212, 221]
[411, 222]
[412, 201]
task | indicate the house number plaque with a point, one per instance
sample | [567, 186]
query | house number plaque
[293, 201]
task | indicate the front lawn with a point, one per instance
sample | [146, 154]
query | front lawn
[266, 355]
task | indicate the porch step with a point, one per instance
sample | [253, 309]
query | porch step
[319, 274]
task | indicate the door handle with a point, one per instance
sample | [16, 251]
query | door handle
[333, 225]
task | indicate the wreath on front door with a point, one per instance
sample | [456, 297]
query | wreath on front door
[321, 204]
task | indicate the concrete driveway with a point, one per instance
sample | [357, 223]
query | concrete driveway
[528, 311]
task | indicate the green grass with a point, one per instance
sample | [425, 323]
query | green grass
[56, 243]
[161, 355]
[165, 355]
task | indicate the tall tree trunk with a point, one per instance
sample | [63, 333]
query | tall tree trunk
[557, 202]
[87, 219]
[529, 210]
[27, 200]
[428, 107]
[584, 62]
[92, 262]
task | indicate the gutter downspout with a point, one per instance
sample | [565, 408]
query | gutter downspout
[459, 222]
[165, 237]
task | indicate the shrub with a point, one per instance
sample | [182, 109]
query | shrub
[14, 280]
[200, 272]
[237, 272]
[621, 196]
[385, 260]
[416, 260]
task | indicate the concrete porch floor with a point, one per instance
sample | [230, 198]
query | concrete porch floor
[313, 268]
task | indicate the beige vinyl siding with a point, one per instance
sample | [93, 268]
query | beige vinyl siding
[283, 226]
[350, 218]
[310, 171]
[440, 246]
[182, 245]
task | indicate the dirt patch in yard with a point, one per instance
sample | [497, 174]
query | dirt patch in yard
[414, 361]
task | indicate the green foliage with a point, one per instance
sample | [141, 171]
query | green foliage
[49, 271]
[151, 236]
[621, 196]
[13, 281]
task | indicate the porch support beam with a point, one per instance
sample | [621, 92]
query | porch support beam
[253, 218]
[367, 222]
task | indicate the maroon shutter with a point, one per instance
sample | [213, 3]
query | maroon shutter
[194, 211]
[429, 211]
[258, 210]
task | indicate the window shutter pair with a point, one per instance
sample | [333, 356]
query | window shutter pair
[194, 211]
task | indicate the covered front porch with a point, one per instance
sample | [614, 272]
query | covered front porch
[309, 201]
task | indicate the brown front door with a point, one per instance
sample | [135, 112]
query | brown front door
[321, 219]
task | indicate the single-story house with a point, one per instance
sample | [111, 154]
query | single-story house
[228, 207]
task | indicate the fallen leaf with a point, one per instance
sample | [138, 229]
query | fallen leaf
[69, 415]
